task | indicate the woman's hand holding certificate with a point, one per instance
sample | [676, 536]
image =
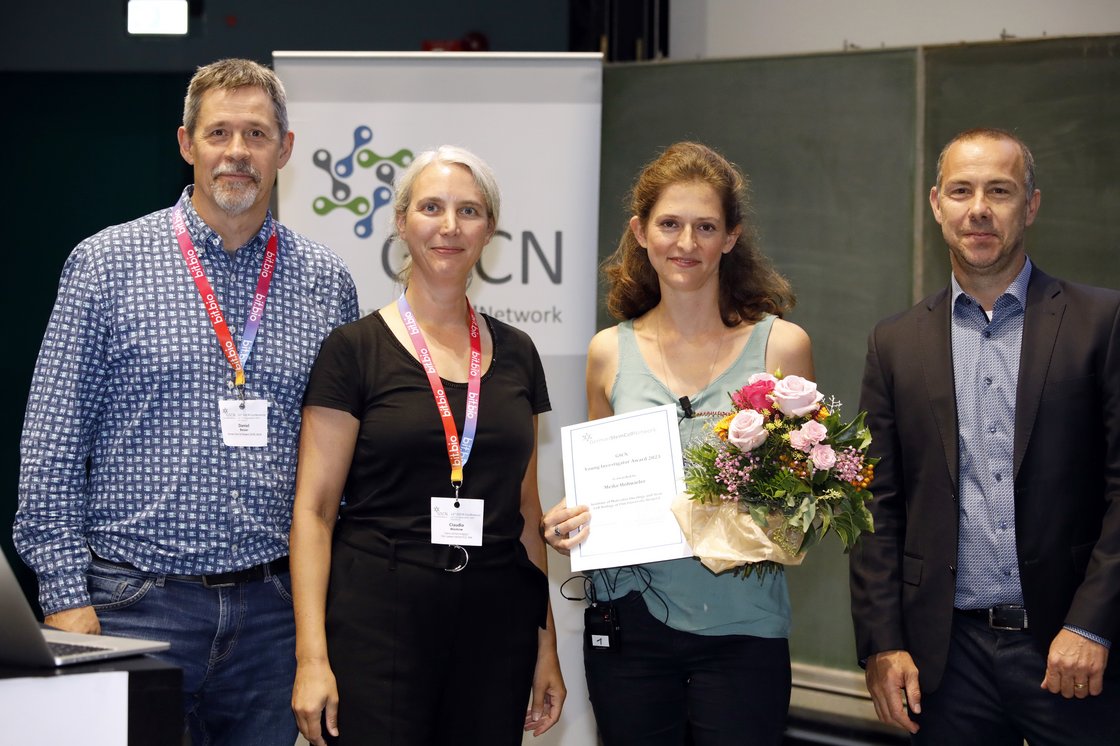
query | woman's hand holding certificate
[627, 469]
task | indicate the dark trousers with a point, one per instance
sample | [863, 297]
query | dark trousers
[425, 657]
[990, 695]
[664, 685]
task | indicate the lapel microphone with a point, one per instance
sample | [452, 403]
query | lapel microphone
[686, 405]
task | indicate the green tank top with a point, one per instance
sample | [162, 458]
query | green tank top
[683, 593]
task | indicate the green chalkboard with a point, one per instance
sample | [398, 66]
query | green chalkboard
[841, 162]
[828, 144]
[1062, 97]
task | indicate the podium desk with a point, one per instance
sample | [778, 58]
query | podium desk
[129, 701]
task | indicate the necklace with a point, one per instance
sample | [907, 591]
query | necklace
[685, 401]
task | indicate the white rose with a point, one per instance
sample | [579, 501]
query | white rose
[823, 457]
[747, 430]
[796, 396]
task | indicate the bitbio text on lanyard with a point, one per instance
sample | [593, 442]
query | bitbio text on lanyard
[214, 311]
[458, 451]
[248, 426]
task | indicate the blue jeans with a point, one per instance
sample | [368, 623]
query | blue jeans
[236, 646]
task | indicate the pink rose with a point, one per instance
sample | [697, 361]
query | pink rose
[747, 430]
[810, 434]
[756, 377]
[823, 457]
[796, 396]
[755, 395]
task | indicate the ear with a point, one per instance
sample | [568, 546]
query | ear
[732, 237]
[1032, 206]
[638, 230]
[286, 143]
[399, 221]
[185, 145]
[933, 202]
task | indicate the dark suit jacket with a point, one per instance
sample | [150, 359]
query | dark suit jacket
[1067, 474]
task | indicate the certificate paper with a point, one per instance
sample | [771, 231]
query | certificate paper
[627, 469]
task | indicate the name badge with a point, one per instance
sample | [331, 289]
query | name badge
[244, 422]
[461, 525]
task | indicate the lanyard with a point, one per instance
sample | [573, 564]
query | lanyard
[210, 301]
[457, 451]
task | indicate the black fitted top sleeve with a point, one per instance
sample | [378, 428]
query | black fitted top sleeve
[400, 459]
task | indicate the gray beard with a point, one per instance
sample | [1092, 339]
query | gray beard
[235, 201]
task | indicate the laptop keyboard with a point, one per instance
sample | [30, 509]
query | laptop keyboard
[60, 649]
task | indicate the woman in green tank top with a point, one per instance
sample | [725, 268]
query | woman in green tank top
[702, 656]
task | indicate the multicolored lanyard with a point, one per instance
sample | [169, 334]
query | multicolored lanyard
[210, 301]
[458, 451]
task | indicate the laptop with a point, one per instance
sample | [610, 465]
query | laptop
[24, 642]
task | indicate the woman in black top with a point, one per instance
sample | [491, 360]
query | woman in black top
[421, 602]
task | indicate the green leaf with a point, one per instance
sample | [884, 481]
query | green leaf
[854, 433]
[761, 515]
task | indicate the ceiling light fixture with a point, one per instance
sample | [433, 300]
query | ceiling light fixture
[161, 17]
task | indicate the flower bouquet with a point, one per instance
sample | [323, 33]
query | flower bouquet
[777, 474]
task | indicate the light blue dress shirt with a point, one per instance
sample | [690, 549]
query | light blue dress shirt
[985, 376]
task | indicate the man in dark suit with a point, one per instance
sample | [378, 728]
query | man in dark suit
[987, 598]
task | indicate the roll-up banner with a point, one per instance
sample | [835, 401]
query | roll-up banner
[359, 118]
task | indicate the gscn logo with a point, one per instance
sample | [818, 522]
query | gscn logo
[358, 163]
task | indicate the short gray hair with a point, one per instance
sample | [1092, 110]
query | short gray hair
[227, 75]
[993, 133]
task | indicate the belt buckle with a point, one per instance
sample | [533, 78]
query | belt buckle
[1004, 613]
[461, 565]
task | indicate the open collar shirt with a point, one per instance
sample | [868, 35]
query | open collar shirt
[122, 451]
[986, 376]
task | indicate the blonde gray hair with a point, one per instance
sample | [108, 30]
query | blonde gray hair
[454, 155]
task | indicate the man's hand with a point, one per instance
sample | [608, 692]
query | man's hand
[82, 619]
[1075, 666]
[890, 674]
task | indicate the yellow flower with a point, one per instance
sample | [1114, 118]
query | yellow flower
[822, 413]
[722, 426]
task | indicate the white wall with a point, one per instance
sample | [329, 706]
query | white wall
[758, 28]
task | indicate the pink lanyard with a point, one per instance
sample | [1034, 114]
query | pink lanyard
[457, 451]
[210, 301]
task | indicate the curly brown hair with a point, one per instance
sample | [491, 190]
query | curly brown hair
[749, 286]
